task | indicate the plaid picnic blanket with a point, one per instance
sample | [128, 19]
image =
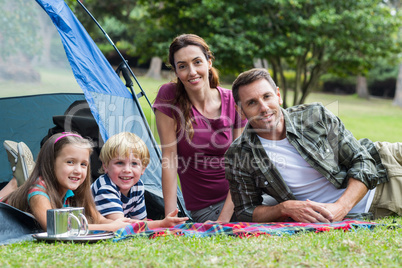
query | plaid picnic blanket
[238, 229]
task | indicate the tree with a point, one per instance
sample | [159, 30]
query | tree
[361, 87]
[316, 37]
[103, 11]
[223, 31]
[310, 37]
[124, 23]
[398, 92]
[396, 5]
[154, 70]
[19, 40]
[115, 19]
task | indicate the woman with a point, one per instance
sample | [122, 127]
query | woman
[196, 121]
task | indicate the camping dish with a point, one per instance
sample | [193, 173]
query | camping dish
[91, 237]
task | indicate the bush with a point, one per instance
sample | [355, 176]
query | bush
[380, 86]
[339, 87]
[384, 88]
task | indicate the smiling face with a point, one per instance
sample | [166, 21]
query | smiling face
[71, 167]
[192, 68]
[125, 172]
[260, 104]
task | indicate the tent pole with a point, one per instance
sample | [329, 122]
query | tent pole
[118, 52]
[124, 67]
[130, 85]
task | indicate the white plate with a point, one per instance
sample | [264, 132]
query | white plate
[91, 237]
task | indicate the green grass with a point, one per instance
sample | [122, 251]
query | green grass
[376, 119]
[382, 247]
[52, 81]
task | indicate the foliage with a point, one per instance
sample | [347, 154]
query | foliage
[113, 16]
[317, 36]
[21, 36]
[312, 37]
[216, 21]
[383, 70]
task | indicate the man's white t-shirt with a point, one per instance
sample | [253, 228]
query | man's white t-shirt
[303, 180]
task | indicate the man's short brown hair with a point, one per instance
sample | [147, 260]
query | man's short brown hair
[249, 77]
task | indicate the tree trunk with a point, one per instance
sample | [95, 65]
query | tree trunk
[398, 90]
[260, 63]
[46, 32]
[276, 63]
[361, 87]
[155, 68]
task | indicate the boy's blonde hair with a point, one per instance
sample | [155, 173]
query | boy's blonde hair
[122, 145]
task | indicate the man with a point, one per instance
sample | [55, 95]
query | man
[306, 160]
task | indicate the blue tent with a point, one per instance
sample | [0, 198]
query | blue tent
[114, 108]
[28, 118]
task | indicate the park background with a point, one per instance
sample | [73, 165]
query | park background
[345, 54]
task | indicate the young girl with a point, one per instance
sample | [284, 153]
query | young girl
[61, 179]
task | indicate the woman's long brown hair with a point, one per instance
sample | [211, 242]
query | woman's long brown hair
[181, 98]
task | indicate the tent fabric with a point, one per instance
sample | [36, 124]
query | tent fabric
[103, 89]
[239, 229]
[112, 105]
[16, 225]
[28, 119]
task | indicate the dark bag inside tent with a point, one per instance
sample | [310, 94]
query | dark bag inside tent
[78, 118]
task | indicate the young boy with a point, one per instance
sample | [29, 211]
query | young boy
[120, 192]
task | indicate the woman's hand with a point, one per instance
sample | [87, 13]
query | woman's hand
[171, 219]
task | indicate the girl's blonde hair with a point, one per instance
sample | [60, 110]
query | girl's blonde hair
[45, 169]
[122, 145]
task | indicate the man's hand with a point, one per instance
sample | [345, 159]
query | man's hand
[354, 192]
[338, 211]
[307, 211]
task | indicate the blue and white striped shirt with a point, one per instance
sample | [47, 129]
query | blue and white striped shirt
[109, 199]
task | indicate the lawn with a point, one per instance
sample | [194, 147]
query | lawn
[376, 119]
[381, 247]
